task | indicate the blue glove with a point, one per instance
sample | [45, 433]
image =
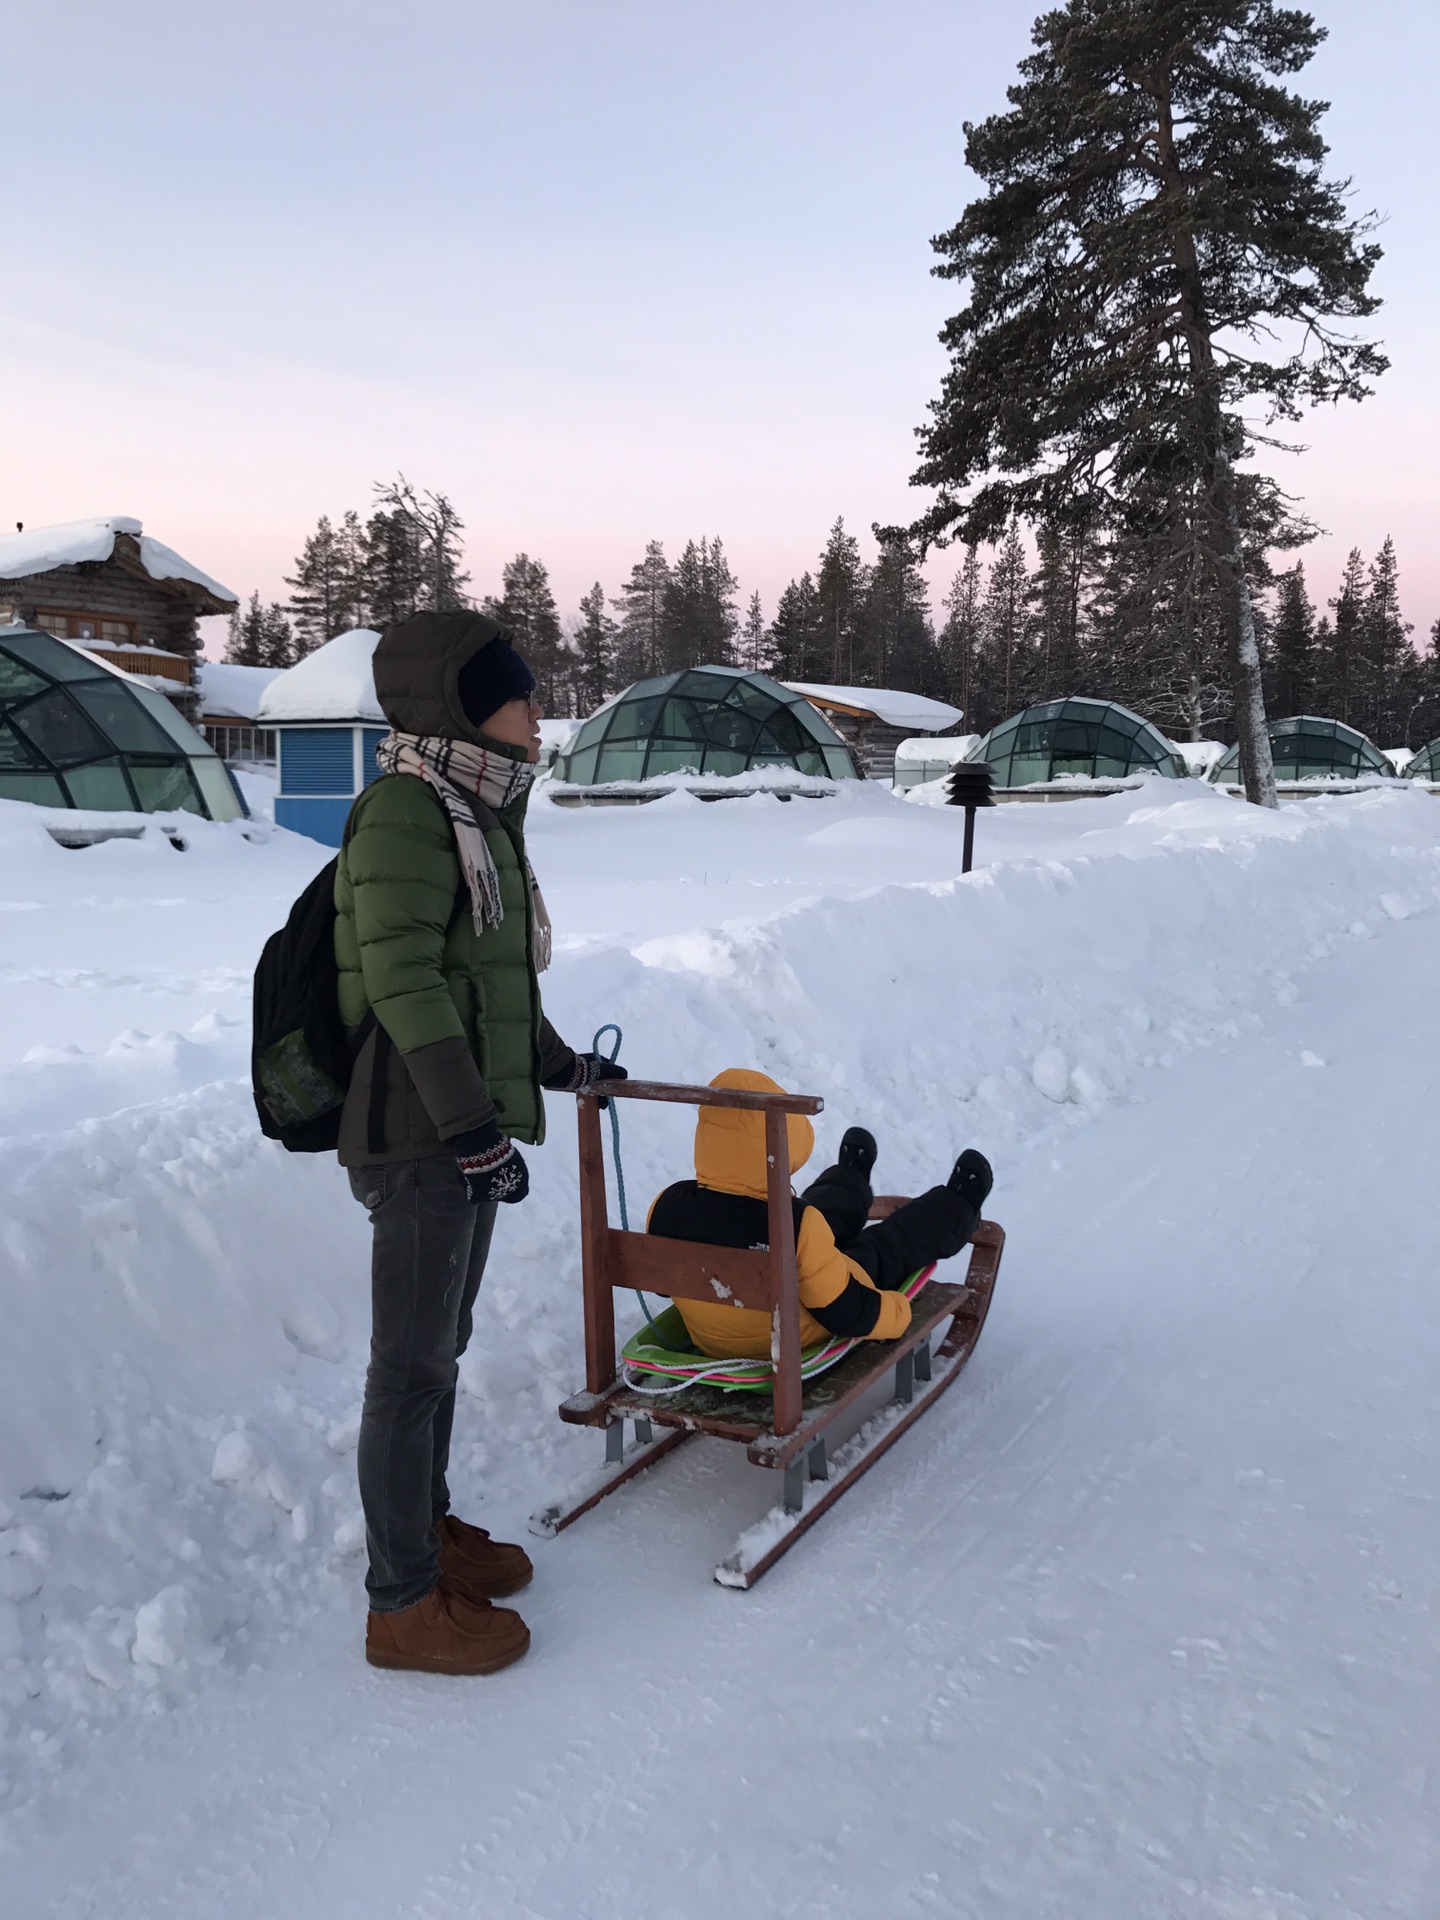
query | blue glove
[490, 1166]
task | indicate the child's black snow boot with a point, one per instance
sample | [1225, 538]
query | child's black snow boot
[858, 1150]
[971, 1178]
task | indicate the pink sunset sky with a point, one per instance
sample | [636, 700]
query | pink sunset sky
[603, 272]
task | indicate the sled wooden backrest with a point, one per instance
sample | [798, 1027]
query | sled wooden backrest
[688, 1269]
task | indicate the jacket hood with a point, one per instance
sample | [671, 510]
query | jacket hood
[730, 1143]
[417, 666]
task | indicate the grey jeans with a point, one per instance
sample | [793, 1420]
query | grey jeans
[429, 1254]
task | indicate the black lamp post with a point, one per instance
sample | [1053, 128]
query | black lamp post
[969, 787]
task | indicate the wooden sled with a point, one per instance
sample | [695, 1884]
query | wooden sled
[780, 1430]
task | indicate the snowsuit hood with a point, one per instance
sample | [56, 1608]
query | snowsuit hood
[730, 1143]
[417, 666]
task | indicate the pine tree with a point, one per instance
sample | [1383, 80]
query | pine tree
[328, 583]
[245, 645]
[841, 580]
[699, 609]
[641, 605]
[527, 610]
[897, 647]
[752, 635]
[1155, 213]
[595, 637]
[395, 571]
[1341, 679]
[1389, 659]
[1066, 561]
[1292, 647]
[1005, 625]
[959, 641]
[795, 638]
[435, 528]
[261, 636]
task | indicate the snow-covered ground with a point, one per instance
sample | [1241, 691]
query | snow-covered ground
[1140, 1621]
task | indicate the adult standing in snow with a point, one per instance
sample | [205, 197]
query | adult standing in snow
[441, 931]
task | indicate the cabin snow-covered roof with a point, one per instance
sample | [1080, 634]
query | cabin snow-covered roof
[335, 682]
[230, 691]
[913, 711]
[927, 748]
[42, 549]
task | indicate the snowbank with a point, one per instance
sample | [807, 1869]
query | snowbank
[335, 682]
[186, 1305]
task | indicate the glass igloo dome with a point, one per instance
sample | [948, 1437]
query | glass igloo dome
[1095, 738]
[703, 720]
[76, 734]
[1425, 765]
[1306, 748]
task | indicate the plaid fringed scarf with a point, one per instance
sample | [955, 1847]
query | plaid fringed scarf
[455, 768]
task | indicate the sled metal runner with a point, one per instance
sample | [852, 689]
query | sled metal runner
[787, 1430]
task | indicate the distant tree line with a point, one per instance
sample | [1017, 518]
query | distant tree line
[1042, 613]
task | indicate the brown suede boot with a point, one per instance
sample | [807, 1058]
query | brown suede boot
[446, 1633]
[473, 1564]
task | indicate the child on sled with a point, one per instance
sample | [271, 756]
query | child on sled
[849, 1268]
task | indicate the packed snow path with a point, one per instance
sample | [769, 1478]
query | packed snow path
[1139, 1621]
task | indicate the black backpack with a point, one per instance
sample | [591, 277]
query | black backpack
[301, 1056]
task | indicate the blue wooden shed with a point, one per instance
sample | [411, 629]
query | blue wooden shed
[327, 725]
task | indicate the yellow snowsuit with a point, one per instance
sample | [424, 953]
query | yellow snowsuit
[730, 1161]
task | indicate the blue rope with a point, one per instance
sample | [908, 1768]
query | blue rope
[614, 1105]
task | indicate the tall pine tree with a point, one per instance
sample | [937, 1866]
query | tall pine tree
[841, 580]
[640, 647]
[328, 583]
[261, 636]
[752, 635]
[960, 640]
[795, 639]
[1292, 646]
[594, 668]
[1155, 218]
[527, 610]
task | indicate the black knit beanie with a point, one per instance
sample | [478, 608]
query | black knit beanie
[495, 675]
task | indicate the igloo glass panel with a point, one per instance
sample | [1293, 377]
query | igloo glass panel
[122, 718]
[16, 752]
[40, 789]
[724, 760]
[710, 687]
[52, 657]
[732, 732]
[101, 785]
[173, 722]
[165, 787]
[673, 756]
[212, 777]
[682, 720]
[634, 719]
[579, 767]
[623, 762]
[57, 728]
[17, 681]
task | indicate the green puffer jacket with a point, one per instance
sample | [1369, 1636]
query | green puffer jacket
[471, 1043]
